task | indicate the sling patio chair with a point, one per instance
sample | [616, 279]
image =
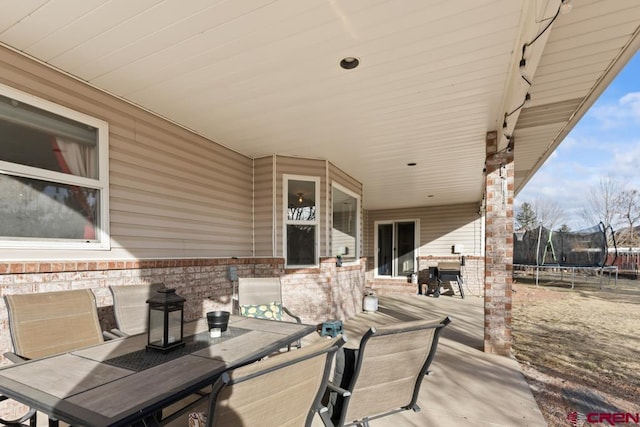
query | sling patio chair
[384, 375]
[130, 307]
[261, 297]
[48, 323]
[283, 390]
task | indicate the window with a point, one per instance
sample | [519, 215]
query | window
[301, 220]
[53, 175]
[345, 229]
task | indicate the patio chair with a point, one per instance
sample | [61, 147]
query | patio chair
[261, 297]
[49, 323]
[384, 375]
[282, 390]
[130, 307]
[29, 416]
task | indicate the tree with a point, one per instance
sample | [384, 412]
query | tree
[617, 206]
[564, 228]
[628, 207]
[548, 212]
[526, 218]
[600, 203]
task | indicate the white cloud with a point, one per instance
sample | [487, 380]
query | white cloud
[626, 160]
[569, 143]
[631, 101]
[566, 182]
[611, 115]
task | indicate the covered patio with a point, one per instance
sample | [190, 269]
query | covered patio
[336, 145]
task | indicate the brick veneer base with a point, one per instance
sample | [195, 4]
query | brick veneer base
[316, 294]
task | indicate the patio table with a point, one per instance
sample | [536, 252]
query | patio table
[117, 383]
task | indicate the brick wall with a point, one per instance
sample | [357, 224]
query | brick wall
[499, 252]
[319, 294]
[327, 292]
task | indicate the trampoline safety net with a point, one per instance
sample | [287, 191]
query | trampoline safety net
[542, 246]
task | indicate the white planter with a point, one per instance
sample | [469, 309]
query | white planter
[370, 302]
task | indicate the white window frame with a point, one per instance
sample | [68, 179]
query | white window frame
[101, 184]
[358, 219]
[286, 221]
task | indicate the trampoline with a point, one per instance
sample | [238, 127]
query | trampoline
[544, 249]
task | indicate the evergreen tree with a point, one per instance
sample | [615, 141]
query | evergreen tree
[526, 217]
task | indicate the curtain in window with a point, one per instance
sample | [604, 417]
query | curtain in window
[80, 160]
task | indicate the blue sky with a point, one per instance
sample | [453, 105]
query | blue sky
[606, 141]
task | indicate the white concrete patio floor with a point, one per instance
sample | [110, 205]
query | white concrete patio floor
[468, 387]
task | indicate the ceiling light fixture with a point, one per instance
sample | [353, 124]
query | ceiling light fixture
[566, 7]
[349, 63]
[300, 197]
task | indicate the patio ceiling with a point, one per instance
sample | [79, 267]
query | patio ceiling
[263, 77]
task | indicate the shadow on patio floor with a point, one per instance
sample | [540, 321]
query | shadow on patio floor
[468, 387]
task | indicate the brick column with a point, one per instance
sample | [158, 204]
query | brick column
[499, 249]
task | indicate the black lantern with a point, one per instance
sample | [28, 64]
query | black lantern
[166, 320]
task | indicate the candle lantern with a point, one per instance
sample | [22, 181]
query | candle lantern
[165, 321]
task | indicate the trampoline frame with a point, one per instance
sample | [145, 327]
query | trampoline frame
[610, 269]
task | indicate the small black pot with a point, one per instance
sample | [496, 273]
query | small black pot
[218, 319]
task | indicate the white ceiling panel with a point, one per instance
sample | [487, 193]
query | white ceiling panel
[262, 76]
[81, 31]
[15, 11]
[46, 19]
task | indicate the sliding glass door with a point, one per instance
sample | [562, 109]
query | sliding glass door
[396, 248]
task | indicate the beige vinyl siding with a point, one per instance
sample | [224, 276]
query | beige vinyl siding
[172, 192]
[264, 208]
[305, 167]
[441, 227]
[339, 176]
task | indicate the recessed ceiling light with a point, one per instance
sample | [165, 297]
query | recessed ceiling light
[411, 164]
[349, 63]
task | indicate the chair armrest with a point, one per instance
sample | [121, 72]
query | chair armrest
[340, 390]
[30, 415]
[298, 321]
[324, 416]
[9, 355]
[286, 310]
